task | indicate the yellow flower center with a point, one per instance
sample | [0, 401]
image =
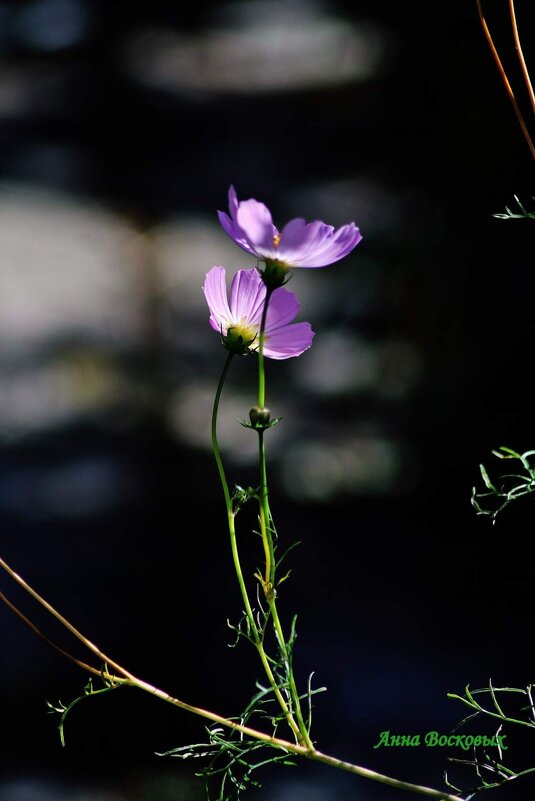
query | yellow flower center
[276, 240]
[242, 335]
[246, 332]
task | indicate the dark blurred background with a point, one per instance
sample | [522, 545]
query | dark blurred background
[121, 127]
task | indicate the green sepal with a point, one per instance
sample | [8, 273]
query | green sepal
[275, 274]
[260, 426]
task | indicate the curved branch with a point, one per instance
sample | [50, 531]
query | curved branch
[505, 80]
[274, 742]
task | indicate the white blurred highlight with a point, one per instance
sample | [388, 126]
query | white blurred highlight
[63, 270]
[317, 470]
[260, 46]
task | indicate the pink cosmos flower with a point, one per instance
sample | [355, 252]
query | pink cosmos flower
[238, 319]
[299, 244]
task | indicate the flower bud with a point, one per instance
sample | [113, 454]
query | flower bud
[238, 341]
[259, 416]
[275, 274]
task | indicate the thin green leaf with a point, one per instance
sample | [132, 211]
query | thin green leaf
[495, 701]
[486, 479]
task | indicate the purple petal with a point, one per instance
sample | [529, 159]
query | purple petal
[299, 239]
[229, 224]
[247, 294]
[332, 248]
[282, 309]
[215, 292]
[232, 202]
[233, 230]
[300, 244]
[291, 340]
[255, 221]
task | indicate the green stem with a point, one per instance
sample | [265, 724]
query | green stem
[243, 589]
[253, 628]
[261, 366]
[267, 540]
[215, 444]
[305, 740]
[228, 502]
[278, 695]
[265, 518]
[265, 521]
